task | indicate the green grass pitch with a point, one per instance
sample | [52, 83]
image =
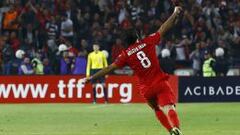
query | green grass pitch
[115, 119]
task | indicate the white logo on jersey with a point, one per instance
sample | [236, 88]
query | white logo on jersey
[136, 49]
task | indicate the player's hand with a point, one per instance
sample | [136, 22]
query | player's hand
[178, 10]
[85, 80]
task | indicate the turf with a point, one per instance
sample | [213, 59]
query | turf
[115, 119]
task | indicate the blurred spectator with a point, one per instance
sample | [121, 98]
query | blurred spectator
[172, 48]
[200, 30]
[209, 65]
[195, 56]
[47, 67]
[80, 64]
[41, 13]
[7, 54]
[67, 28]
[84, 47]
[222, 63]
[136, 9]
[14, 41]
[117, 48]
[65, 60]
[52, 33]
[29, 34]
[182, 49]
[25, 67]
[3, 9]
[65, 64]
[15, 66]
[10, 20]
[166, 62]
[37, 65]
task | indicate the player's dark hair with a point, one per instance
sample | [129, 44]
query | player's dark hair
[96, 43]
[130, 37]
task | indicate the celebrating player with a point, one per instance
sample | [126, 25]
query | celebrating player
[140, 55]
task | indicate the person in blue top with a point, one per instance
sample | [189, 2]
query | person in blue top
[80, 64]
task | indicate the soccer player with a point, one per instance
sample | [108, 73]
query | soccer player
[140, 55]
[97, 61]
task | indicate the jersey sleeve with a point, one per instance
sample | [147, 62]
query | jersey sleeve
[153, 39]
[121, 60]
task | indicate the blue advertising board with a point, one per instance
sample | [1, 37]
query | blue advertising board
[199, 89]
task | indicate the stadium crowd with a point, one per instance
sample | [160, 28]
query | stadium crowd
[40, 27]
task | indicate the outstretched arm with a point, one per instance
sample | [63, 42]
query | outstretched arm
[32, 7]
[101, 73]
[166, 26]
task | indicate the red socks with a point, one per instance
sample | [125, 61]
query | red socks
[173, 117]
[169, 121]
[163, 119]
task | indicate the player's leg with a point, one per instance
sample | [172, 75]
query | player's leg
[159, 114]
[170, 112]
[166, 104]
[94, 93]
[94, 83]
[105, 92]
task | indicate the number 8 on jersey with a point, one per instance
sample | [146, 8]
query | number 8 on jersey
[146, 63]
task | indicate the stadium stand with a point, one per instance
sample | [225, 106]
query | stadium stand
[39, 27]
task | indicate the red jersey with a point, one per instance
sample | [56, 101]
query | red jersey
[141, 57]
